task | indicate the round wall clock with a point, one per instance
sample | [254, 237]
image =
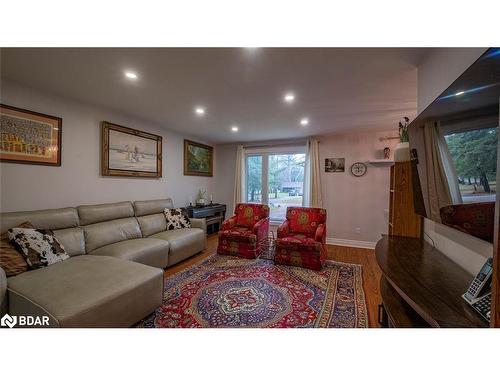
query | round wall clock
[358, 169]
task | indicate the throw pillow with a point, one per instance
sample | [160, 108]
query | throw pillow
[11, 260]
[39, 247]
[176, 218]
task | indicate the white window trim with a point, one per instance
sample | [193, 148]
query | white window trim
[265, 152]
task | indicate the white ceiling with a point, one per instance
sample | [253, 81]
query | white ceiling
[336, 88]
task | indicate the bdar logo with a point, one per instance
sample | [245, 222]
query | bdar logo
[8, 321]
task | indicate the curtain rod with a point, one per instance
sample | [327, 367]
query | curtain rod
[275, 145]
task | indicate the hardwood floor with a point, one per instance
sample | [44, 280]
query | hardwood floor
[365, 257]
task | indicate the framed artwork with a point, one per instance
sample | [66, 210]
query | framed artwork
[198, 159]
[29, 137]
[129, 152]
[335, 165]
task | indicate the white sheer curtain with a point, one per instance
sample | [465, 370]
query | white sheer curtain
[239, 177]
[312, 183]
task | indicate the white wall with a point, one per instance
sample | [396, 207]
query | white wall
[351, 202]
[440, 68]
[78, 180]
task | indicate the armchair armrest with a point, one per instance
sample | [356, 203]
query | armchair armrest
[320, 234]
[261, 229]
[3, 292]
[229, 223]
[283, 229]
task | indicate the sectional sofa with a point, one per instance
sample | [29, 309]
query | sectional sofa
[114, 276]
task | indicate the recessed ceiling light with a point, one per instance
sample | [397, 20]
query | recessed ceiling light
[304, 121]
[234, 129]
[200, 111]
[130, 75]
[460, 93]
[289, 97]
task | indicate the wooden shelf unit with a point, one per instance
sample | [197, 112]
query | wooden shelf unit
[402, 218]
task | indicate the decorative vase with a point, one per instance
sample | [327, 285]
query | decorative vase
[200, 202]
[402, 152]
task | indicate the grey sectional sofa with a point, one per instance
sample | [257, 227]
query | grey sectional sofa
[114, 276]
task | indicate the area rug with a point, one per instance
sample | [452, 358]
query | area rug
[230, 292]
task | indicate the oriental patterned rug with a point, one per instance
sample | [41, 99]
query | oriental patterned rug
[230, 292]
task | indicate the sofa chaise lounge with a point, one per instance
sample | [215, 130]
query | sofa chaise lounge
[114, 276]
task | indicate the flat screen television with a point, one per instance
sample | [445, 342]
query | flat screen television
[453, 151]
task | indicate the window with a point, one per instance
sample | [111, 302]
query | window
[474, 154]
[276, 178]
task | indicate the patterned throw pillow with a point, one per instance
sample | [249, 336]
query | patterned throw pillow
[39, 247]
[11, 260]
[176, 218]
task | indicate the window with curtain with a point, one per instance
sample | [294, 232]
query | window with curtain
[474, 154]
[275, 176]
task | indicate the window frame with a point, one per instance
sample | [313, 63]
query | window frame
[265, 152]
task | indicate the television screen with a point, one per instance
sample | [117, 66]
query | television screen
[453, 145]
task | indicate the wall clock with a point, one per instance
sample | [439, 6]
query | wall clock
[358, 169]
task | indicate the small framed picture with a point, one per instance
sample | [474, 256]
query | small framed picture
[130, 153]
[334, 165]
[198, 159]
[29, 137]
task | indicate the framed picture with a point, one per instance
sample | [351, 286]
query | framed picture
[29, 137]
[335, 165]
[129, 152]
[198, 159]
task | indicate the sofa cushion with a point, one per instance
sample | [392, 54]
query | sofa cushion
[151, 224]
[96, 213]
[72, 239]
[153, 206]
[102, 234]
[149, 251]
[183, 243]
[11, 260]
[39, 247]
[88, 291]
[176, 218]
[42, 219]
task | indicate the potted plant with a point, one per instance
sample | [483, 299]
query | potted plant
[402, 151]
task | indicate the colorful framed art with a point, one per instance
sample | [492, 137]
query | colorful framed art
[198, 159]
[29, 137]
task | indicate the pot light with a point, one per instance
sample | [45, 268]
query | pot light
[289, 97]
[200, 111]
[304, 121]
[234, 129]
[460, 93]
[130, 75]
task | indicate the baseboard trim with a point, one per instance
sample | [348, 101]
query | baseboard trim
[350, 243]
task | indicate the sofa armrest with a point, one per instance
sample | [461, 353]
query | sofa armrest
[199, 223]
[261, 229]
[3, 292]
[229, 223]
[283, 229]
[320, 234]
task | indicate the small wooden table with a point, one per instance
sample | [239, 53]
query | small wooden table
[214, 214]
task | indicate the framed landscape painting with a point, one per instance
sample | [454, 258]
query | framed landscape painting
[29, 137]
[198, 159]
[334, 165]
[129, 152]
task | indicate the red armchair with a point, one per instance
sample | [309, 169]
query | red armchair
[242, 234]
[302, 238]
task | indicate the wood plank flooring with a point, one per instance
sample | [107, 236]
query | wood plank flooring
[365, 257]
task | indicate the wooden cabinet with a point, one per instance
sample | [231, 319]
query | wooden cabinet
[402, 218]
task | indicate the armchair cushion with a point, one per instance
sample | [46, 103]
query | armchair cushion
[261, 228]
[320, 234]
[249, 214]
[238, 234]
[300, 242]
[305, 220]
